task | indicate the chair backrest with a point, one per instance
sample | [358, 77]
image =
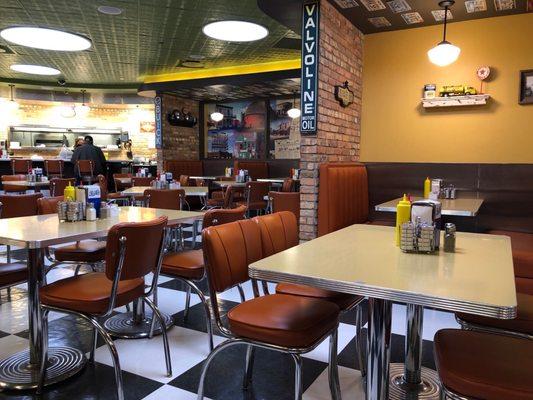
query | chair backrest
[256, 191]
[342, 196]
[12, 188]
[58, 185]
[228, 250]
[288, 184]
[256, 169]
[20, 166]
[165, 199]
[279, 232]
[142, 181]
[286, 201]
[48, 205]
[85, 168]
[144, 244]
[119, 186]
[184, 180]
[220, 216]
[102, 182]
[229, 195]
[54, 167]
[22, 205]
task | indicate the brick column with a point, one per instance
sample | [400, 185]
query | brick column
[179, 143]
[339, 130]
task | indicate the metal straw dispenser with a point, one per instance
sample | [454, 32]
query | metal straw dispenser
[422, 233]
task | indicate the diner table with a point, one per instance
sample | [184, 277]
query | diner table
[20, 371]
[477, 278]
[460, 207]
[230, 183]
[37, 186]
[199, 191]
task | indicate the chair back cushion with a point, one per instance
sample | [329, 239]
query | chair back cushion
[288, 184]
[230, 194]
[85, 167]
[143, 245]
[58, 185]
[165, 199]
[286, 201]
[54, 167]
[48, 205]
[257, 191]
[342, 196]
[279, 231]
[228, 250]
[22, 205]
[221, 216]
[21, 166]
[256, 169]
[13, 188]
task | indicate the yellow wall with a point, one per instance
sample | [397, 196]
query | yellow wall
[396, 128]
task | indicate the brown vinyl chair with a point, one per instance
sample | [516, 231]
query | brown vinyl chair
[120, 186]
[23, 205]
[141, 181]
[20, 167]
[12, 274]
[86, 252]
[13, 188]
[188, 266]
[85, 171]
[255, 193]
[285, 201]
[165, 199]
[228, 201]
[134, 250]
[284, 323]
[184, 180]
[58, 185]
[54, 168]
[219, 194]
[288, 185]
[105, 195]
[479, 365]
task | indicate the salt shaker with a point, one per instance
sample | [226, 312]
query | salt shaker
[449, 238]
[90, 212]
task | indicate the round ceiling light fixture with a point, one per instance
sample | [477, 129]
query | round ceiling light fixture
[294, 112]
[235, 31]
[444, 53]
[35, 69]
[45, 38]
[109, 10]
[217, 116]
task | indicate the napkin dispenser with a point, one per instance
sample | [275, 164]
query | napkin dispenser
[428, 213]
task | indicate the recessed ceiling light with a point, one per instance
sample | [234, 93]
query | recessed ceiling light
[45, 38]
[35, 69]
[235, 31]
[110, 10]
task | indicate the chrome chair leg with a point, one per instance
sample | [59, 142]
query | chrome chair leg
[333, 370]
[209, 323]
[157, 313]
[360, 344]
[9, 293]
[187, 304]
[264, 284]
[241, 293]
[94, 344]
[152, 325]
[77, 270]
[44, 353]
[298, 384]
[8, 253]
[248, 371]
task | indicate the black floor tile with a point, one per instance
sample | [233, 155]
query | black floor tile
[196, 319]
[177, 284]
[3, 334]
[273, 376]
[349, 317]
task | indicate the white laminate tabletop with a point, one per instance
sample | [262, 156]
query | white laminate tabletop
[458, 207]
[124, 180]
[44, 230]
[27, 184]
[229, 183]
[200, 191]
[363, 259]
[205, 178]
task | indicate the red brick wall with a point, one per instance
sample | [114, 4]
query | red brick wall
[339, 130]
[179, 143]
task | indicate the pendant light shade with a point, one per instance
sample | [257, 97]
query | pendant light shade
[217, 116]
[84, 109]
[294, 112]
[12, 104]
[444, 53]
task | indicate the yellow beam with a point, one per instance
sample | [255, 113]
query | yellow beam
[225, 71]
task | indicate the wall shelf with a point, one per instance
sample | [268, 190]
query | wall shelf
[456, 101]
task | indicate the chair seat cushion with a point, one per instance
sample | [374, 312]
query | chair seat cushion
[291, 321]
[484, 366]
[187, 264]
[13, 273]
[89, 293]
[522, 323]
[215, 202]
[342, 300]
[89, 251]
[522, 245]
[117, 196]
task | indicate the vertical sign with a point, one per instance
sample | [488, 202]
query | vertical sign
[309, 85]
[158, 106]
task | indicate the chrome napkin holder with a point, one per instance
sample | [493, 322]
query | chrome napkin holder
[422, 233]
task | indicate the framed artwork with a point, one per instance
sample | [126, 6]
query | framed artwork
[526, 87]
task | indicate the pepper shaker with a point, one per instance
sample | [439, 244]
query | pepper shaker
[449, 238]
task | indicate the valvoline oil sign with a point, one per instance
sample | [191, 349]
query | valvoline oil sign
[309, 85]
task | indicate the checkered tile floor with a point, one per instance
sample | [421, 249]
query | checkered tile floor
[143, 363]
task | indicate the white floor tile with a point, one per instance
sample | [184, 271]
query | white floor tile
[12, 344]
[350, 381]
[170, 392]
[433, 321]
[14, 316]
[321, 353]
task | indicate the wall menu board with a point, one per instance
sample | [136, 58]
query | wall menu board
[309, 85]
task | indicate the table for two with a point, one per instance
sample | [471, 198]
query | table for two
[35, 233]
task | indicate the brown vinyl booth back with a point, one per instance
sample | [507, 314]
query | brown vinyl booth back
[48, 205]
[279, 232]
[143, 245]
[12, 188]
[228, 250]
[342, 196]
[142, 181]
[22, 205]
[256, 169]
[165, 199]
[58, 185]
[219, 217]
[286, 201]
[184, 167]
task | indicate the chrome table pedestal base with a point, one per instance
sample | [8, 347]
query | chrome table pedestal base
[428, 389]
[126, 326]
[16, 372]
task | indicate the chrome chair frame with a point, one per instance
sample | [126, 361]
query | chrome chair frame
[467, 326]
[333, 372]
[99, 329]
[447, 394]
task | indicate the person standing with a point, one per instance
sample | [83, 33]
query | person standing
[88, 151]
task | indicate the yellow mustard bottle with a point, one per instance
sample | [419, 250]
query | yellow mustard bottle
[69, 194]
[403, 214]
[427, 188]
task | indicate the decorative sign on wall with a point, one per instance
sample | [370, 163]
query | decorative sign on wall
[158, 103]
[343, 94]
[309, 89]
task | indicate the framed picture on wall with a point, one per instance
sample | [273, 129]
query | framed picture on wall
[526, 87]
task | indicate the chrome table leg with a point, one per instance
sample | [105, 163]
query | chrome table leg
[20, 371]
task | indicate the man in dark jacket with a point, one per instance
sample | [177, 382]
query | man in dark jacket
[91, 152]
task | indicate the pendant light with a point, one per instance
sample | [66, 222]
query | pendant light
[294, 112]
[12, 105]
[84, 109]
[216, 116]
[444, 53]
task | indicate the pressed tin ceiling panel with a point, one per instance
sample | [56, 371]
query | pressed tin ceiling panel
[149, 37]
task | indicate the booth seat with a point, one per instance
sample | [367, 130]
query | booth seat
[256, 169]
[343, 197]
[184, 167]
